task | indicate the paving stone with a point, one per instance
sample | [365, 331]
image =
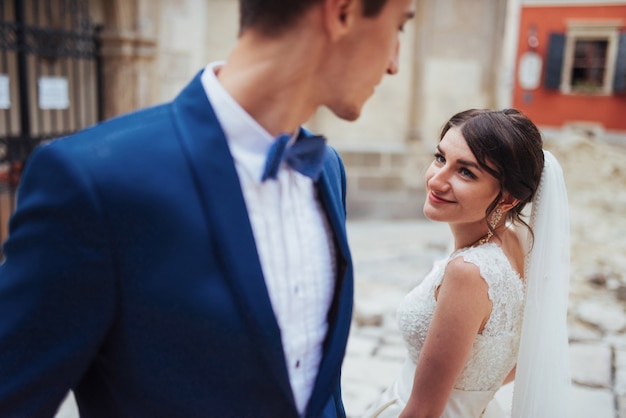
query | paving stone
[607, 315]
[356, 399]
[390, 323]
[393, 338]
[581, 332]
[392, 351]
[368, 319]
[364, 379]
[369, 372]
[373, 298]
[360, 345]
[372, 332]
[616, 340]
[620, 373]
[621, 406]
[591, 364]
[592, 403]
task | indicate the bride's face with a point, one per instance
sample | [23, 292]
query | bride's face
[458, 189]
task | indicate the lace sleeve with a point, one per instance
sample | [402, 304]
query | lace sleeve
[506, 290]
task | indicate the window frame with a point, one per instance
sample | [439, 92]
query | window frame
[590, 31]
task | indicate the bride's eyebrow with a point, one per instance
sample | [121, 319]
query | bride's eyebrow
[469, 164]
[461, 161]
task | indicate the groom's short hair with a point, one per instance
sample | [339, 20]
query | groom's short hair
[272, 16]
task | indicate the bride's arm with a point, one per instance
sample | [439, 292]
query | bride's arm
[463, 307]
[510, 377]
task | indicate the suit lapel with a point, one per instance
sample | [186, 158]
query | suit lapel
[340, 314]
[220, 191]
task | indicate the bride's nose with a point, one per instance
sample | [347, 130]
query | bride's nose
[437, 179]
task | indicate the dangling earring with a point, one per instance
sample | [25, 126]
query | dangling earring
[493, 222]
[495, 218]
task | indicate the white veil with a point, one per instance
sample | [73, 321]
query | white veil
[542, 380]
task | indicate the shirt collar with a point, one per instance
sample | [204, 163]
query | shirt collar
[248, 141]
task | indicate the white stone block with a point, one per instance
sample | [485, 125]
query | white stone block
[606, 315]
[588, 403]
[392, 352]
[369, 372]
[591, 364]
[359, 345]
[356, 398]
[620, 372]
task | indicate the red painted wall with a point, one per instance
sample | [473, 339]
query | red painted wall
[551, 108]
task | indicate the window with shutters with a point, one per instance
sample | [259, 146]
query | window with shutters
[589, 66]
[589, 59]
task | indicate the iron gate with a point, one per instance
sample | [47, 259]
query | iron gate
[49, 81]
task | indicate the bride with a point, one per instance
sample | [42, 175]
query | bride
[494, 310]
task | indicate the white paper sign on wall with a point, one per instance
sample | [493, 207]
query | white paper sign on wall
[5, 93]
[53, 93]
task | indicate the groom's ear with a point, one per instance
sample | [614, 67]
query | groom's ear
[339, 16]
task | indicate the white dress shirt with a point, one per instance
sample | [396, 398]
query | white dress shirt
[292, 235]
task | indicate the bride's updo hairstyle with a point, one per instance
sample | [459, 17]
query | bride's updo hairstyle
[507, 145]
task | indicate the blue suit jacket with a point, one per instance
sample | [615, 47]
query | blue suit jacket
[132, 277]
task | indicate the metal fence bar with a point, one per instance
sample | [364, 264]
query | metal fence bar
[44, 38]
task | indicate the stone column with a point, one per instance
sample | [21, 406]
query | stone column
[128, 55]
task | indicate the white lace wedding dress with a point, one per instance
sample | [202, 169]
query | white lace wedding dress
[494, 352]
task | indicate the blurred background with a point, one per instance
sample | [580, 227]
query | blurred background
[68, 64]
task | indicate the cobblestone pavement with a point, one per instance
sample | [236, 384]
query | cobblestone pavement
[390, 258]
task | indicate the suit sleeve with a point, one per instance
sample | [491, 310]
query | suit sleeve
[57, 287]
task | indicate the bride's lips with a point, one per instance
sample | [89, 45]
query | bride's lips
[435, 199]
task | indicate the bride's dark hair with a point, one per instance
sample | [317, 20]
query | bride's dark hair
[511, 144]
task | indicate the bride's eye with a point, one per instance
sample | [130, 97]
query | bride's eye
[467, 173]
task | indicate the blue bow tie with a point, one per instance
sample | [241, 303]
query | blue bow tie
[306, 156]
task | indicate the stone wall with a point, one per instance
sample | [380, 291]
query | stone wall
[384, 184]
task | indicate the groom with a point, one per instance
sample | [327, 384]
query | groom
[160, 265]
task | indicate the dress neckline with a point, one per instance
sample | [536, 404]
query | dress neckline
[485, 246]
[472, 247]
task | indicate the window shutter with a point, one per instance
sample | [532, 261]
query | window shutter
[554, 61]
[619, 82]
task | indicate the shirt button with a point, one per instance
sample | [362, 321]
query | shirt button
[297, 364]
